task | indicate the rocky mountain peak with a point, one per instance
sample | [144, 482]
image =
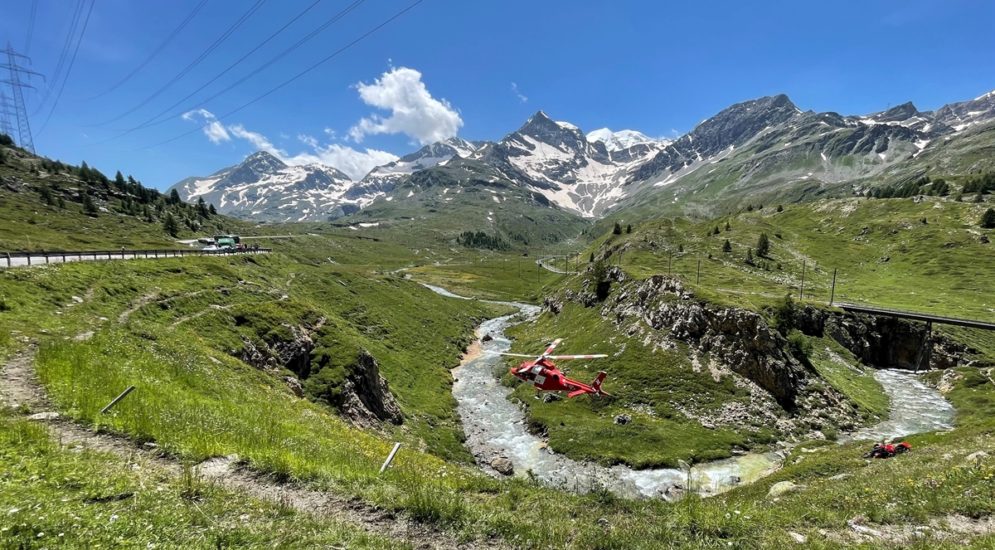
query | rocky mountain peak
[544, 128]
[263, 161]
[256, 166]
[741, 121]
[901, 112]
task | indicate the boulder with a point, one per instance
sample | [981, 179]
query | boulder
[781, 487]
[976, 457]
[623, 419]
[44, 416]
[294, 385]
[503, 466]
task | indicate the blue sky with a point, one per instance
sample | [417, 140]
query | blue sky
[475, 68]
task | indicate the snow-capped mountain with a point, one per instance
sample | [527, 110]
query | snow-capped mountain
[765, 147]
[263, 187]
[768, 149]
[556, 159]
[383, 179]
[622, 139]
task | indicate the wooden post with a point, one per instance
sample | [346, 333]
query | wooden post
[46, 258]
[29, 259]
[390, 457]
[698, 280]
[117, 399]
[832, 292]
[670, 261]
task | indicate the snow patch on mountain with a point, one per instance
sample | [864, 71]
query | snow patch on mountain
[622, 139]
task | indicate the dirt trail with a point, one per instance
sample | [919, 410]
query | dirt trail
[19, 387]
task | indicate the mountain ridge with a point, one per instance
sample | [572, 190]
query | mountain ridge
[763, 145]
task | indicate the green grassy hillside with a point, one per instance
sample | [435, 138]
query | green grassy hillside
[924, 255]
[196, 401]
[177, 329]
[49, 205]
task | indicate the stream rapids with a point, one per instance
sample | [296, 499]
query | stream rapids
[496, 427]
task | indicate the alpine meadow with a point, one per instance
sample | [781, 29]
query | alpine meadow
[298, 298]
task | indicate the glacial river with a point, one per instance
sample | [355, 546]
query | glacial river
[496, 427]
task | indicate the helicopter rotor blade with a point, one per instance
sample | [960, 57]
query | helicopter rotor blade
[551, 347]
[590, 356]
[511, 354]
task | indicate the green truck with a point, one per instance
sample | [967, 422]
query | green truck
[226, 242]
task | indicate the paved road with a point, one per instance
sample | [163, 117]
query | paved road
[553, 268]
[38, 258]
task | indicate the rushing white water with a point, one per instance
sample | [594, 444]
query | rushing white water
[495, 427]
[915, 408]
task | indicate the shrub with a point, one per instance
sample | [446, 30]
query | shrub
[799, 346]
[784, 315]
[988, 219]
[602, 284]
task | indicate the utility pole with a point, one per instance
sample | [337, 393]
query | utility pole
[17, 85]
[832, 293]
[698, 279]
[801, 289]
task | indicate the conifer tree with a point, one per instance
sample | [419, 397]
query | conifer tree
[89, 207]
[170, 225]
[763, 245]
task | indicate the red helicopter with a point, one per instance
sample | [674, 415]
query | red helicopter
[546, 377]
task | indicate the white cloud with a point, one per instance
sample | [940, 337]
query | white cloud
[310, 141]
[352, 162]
[521, 97]
[213, 129]
[259, 141]
[413, 110]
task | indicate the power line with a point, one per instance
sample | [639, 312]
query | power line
[63, 55]
[169, 38]
[157, 120]
[69, 70]
[153, 120]
[31, 26]
[203, 55]
[294, 78]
